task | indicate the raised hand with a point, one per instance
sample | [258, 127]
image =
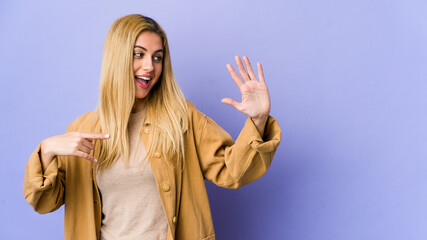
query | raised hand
[69, 144]
[255, 97]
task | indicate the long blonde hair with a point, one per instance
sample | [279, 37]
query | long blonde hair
[165, 104]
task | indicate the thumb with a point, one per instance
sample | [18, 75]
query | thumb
[232, 103]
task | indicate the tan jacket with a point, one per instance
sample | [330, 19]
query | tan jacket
[210, 153]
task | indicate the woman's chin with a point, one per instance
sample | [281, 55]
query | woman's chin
[140, 97]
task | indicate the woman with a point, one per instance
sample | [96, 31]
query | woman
[135, 167]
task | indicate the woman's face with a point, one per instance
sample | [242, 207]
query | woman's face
[147, 62]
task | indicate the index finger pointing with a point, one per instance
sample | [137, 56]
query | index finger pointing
[95, 135]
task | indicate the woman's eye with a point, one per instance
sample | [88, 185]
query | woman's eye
[137, 54]
[158, 58]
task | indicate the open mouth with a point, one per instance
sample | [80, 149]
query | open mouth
[143, 82]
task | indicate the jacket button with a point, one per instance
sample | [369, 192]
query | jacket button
[147, 130]
[157, 154]
[166, 188]
[174, 219]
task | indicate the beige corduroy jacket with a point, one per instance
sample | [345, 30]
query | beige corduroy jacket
[210, 153]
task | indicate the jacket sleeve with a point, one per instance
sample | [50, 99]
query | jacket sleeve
[232, 164]
[44, 191]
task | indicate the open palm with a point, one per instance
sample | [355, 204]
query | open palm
[255, 97]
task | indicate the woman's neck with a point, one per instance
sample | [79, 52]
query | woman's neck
[139, 105]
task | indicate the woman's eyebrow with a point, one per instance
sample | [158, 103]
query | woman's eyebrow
[143, 48]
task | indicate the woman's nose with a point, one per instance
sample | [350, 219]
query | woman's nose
[147, 64]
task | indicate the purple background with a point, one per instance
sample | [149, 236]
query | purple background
[348, 86]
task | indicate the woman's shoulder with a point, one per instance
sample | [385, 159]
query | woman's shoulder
[193, 111]
[190, 106]
[85, 123]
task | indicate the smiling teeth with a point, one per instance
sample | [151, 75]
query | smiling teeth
[143, 78]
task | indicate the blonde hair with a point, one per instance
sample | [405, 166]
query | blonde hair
[165, 104]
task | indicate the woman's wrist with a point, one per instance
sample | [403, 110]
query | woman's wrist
[260, 123]
[45, 154]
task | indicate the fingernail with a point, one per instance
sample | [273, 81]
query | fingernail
[107, 135]
[95, 160]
